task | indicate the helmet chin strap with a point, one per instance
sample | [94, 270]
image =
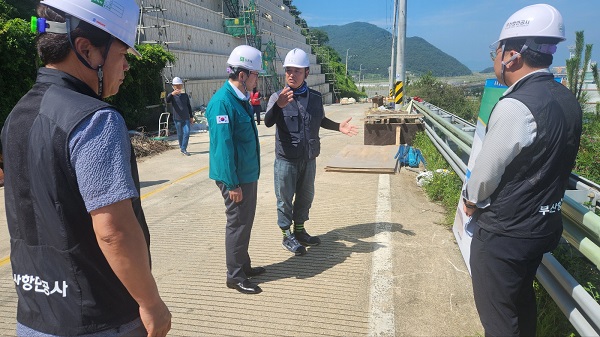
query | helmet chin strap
[512, 58]
[244, 82]
[99, 71]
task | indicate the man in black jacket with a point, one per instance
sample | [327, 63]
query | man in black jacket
[182, 113]
[79, 240]
[514, 190]
[298, 113]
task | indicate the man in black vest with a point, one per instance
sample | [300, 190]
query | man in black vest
[79, 240]
[514, 191]
[298, 113]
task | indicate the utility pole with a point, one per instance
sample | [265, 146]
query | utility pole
[347, 61]
[359, 72]
[392, 69]
[400, 69]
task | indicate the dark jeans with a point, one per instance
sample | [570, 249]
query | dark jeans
[183, 133]
[502, 270]
[294, 189]
[240, 217]
[257, 110]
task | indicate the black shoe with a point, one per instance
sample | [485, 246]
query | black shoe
[255, 271]
[245, 287]
[304, 238]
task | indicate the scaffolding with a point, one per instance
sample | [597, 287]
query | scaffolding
[270, 77]
[159, 11]
[245, 22]
[328, 68]
[156, 8]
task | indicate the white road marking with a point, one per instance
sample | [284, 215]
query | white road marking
[381, 320]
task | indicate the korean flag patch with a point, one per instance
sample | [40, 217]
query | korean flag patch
[223, 119]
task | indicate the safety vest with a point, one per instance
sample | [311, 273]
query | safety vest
[297, 134]
[255, 98]
[64, 284]
[528, 200]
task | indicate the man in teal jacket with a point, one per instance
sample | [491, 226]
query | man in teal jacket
[235, 162]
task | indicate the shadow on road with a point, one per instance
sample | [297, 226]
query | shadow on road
[151, 183]
[336, 246]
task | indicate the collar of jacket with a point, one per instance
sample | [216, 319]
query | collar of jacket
[60, 78]
[519, 83]
[236, 92]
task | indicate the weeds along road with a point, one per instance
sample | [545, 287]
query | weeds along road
[385, 267]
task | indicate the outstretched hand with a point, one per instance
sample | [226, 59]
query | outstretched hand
[285, 97]
[348, 129]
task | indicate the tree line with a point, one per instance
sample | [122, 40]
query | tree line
[19, 63]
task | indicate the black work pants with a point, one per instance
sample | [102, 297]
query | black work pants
[240, 217]
[502, 271]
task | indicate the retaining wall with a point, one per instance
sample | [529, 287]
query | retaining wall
[195, 34]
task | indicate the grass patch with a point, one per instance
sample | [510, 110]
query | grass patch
[443, 189]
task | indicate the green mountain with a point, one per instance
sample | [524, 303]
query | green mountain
[371, 46]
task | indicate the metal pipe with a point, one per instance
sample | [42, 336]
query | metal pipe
[577, 238]
[464, 137]
[587, 182]
[457, 165]
[442, 125]
[584, 300]
[589, 221]
[566, 303]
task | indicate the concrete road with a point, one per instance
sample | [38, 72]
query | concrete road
[385, 266]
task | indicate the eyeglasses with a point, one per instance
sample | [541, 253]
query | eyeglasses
[254, 73]
[494, 52]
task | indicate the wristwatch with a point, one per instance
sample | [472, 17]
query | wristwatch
[469, 206]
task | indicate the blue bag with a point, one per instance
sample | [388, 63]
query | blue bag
[409, 156]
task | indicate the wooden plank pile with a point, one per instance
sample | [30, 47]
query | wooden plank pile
[390, 127]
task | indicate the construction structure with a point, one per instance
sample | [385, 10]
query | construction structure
[202, 33]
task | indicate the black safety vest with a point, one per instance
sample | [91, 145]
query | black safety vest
[64, 284]
[297, 135]
[528, 200]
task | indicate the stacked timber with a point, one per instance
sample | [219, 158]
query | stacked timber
[390, 127]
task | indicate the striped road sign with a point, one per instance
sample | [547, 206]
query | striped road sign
[399, 92]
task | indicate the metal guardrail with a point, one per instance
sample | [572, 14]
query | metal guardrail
[453, 137]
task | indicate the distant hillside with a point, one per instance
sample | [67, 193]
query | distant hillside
[371, 46]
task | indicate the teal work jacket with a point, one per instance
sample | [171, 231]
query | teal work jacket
[234, 156]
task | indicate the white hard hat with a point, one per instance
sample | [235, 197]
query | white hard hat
[119, 19]
[177, 80]
[246, 57]
[296, 58]
[533, 21]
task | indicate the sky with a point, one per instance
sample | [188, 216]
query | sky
[464, 29]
